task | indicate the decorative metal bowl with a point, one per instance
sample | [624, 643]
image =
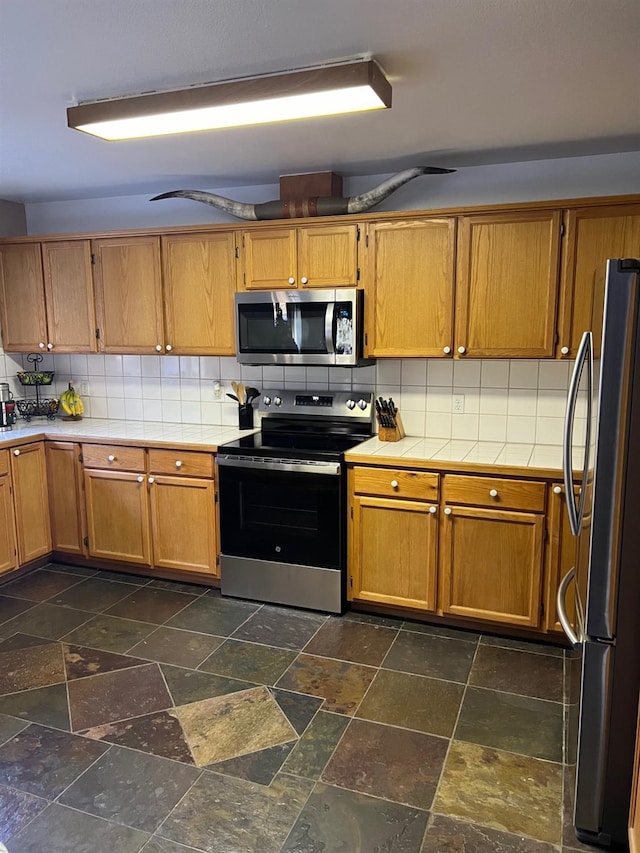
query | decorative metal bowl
[36, 377]
[38, 408]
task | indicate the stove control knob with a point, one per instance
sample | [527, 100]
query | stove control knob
[266, 400]
[351, 404]
[277, 401]
[362, 404]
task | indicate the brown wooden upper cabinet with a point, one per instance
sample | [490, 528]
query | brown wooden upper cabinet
[593, 234]
[408, 274]
[47, 297]
[302, 257]
[199, 284]
[507, 284]
[129, 294]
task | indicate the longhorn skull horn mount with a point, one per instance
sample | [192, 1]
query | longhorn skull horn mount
[321, 206]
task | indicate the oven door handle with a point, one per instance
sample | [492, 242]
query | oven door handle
[289, 466]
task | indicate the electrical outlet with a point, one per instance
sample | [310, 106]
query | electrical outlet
[84, 389]
[217, 390]
[458, 403]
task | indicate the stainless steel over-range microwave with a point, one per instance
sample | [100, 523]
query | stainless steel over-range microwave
[300, 327]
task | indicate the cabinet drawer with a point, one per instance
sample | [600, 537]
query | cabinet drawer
[190, 463]
[494, 492]
[4, 462]
[389, 482]
[113, 457]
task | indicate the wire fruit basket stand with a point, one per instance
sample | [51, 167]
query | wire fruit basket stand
[39, 406]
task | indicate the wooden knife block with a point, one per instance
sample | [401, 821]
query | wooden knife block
[391, 433]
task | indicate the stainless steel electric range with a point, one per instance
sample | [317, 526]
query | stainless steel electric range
[283, 502]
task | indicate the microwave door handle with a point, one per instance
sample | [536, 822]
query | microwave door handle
[328, 328]
[572, 508]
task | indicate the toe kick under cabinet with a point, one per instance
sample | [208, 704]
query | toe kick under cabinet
[464, 546]
[153, 508]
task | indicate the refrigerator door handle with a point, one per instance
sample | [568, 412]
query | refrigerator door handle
[575, 510]
[561, 607]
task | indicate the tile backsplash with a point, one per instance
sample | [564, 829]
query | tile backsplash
[517, 401]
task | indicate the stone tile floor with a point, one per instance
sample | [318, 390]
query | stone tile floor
[148, 715]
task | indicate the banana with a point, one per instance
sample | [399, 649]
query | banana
[71, 402]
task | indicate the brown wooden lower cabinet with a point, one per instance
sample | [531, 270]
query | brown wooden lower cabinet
[66, 497]
[8, 549]
[491, 565]
[118, 516]
[31, 501]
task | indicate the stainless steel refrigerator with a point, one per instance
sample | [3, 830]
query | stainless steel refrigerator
[599, 599]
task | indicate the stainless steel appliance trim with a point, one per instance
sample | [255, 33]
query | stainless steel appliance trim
[328, 328]
[562, 609]
[573, 509]
[597, 666]
[296, 466]
[283, 583]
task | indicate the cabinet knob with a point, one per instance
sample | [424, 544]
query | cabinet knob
[158, 348]
[494, 493]
[49, 346]
[141, 479]
[111, 458]
[169, 347]
[565, 350]
[394, 484]
[41, 345]
[304, 279]
[462, 350]
[447, 510]
[151, 480]
[446, 350]
[178, 463]
[16, 452]
[432, 510]
[557, 490]
[292, 280]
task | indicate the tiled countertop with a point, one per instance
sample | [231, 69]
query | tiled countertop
[204, 437]
[440, 453]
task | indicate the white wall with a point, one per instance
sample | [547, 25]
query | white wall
[571, 177]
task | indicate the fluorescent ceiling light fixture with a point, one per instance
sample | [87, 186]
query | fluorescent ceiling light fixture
[326, 90]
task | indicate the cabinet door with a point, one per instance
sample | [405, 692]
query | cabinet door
[491, 565]
[24, 320]
[183, 523]
[592, 236]
[561, 557]
[270, 259]
[409, 280]
[393, 552]
[66, 497]
[8, 550]
[199, 285]
[129, 294]
[68, 284]
[31, 501]
[328, 256]
[118, 516]
[507, 284]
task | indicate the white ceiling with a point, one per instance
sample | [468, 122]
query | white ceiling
[474, 81]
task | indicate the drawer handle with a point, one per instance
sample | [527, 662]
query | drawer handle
[111, 458]
[565, 350]
[447, 510]
[292, 280]
[557, 490]
[494, 493]
[49, 346]
[16, 453]
[141, 479]
[462, 350]
[432, 510]
[158, 348]
[304, 279]
[169, 347]
[446, 350]
[394, 484]
[41, 345]
[178, 463]
[151, 480]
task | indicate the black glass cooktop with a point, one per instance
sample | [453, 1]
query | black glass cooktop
[296, 443]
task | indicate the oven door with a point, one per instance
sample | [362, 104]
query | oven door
[285, 512]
